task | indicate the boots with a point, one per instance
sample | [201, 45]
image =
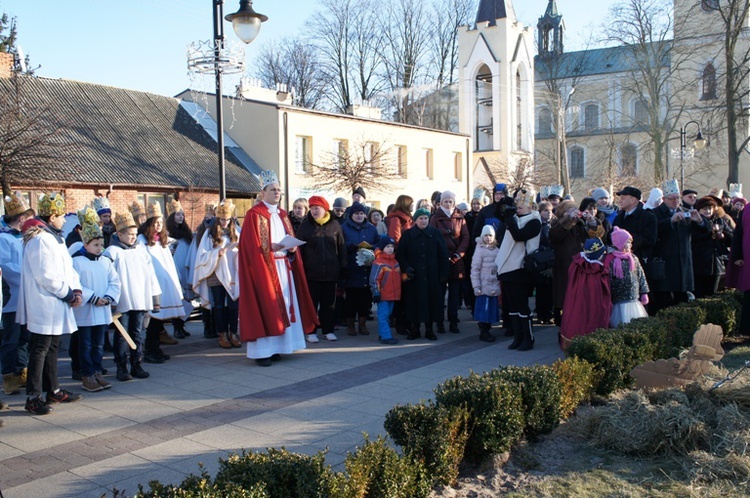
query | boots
[440, 327]
[350, 327]
[413, 332]
[515, 327]
[166, 339]
[453, 327]
[122, 372]
[363, 326]
[234, 340]
[10, 384]
[137, 371]
[178, 324]
[208, 324]
[223, 341]
[428, 333]
[527, 333]
[484, 332]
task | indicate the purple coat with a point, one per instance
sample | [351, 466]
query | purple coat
[738, 277]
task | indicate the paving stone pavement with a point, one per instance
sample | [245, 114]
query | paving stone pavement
[206, 403]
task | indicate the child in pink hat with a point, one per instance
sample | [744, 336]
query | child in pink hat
[627, 281]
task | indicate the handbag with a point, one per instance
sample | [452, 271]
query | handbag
[540, 262]
[656, 269]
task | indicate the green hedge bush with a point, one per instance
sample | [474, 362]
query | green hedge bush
[200, 487]
[495, 412]
[434, 436]
[722, 311]
[577, 379]
[682, 321]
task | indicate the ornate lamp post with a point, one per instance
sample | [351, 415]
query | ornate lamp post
[699, 144]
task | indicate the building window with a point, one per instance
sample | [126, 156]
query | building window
[303, 154]
[576, 162]
[519, 113]
[640, 113]
[628, 159]
[372, 156]
[457, 166]
[428, 165]
[591, 117]
[340, 153]
[710, 5]
[709, 82]
[401, 160]
[545, 121]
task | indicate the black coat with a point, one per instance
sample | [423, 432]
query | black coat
[642, 226]
[324, 254]
[422, 255]
[673, 245]
[710, 252]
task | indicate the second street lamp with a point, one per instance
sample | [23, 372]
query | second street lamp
[699, 144]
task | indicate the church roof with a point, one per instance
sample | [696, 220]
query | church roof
[490, 10]
[590, 62]
[551, 9]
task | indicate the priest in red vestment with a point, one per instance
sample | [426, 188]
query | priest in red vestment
[274, 304]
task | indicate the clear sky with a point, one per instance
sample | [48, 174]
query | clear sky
[142, 44]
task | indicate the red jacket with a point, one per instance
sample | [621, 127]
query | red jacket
[385, 277]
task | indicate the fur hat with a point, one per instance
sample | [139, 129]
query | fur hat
[594, 248]
[52, 204]
[488, 230]
[101, 205]
[620, 237]
[420, 212]
[385, 241]
[360, 191]
[137, 209]
[90, 231]
[124, 220]
[225, 209]
[708, 200]
[15, 204]
[174, 206]
[320, 201]
[153, 210]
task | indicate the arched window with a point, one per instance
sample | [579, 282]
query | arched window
[591, 117]
[709, 82]
[576, 161]
[709, 5]
[519, 113]
[628, 159]
[545, 121]
[640, 113]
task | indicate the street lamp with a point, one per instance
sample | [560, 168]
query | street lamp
[246, 23]
[699, 144]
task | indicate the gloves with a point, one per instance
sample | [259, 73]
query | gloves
[376, 298]
[644, 299]
[477, 291]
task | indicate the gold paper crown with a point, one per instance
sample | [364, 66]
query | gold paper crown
[267, 177]
[100, 204]
[153, 210]
[124, 220]
[52, 204]
[225, 209]
[671, 187]
[137, 209]
[15, 204]
[174, 206]
[211, 208]
[90, 231]
[525, 197]
[87, 215]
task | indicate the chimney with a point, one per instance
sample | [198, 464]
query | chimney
[6, 64]
[364, 111]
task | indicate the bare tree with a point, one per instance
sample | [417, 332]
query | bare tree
[367, 164]
[294, 63]
[366, 37]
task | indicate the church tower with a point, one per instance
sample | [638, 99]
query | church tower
[550, 30]
[496, 97]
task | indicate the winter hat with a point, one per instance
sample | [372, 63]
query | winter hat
[357, 208]
[463, 207]
[320, 201]
[599, 193]
[420, 212]
[500, 187]
[488, 230]
[360, 191]
[620, 237]
[338, 202]
[708, 200]
[654, 198]
[385, 241]
[594, 248]
[447, 195]
[741, 200]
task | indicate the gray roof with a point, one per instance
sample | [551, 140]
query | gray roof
[490, 10]
[591, 62]
[129, 138]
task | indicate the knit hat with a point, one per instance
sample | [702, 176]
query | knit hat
[320, 201]
[153, 210]
[137, 209]
[338, 202]
[447, 195]
[488, 230]
[599, 193]
[124, 220]
[420, 212]
[463, 207]
[101, 205]
[500, 187]
[174, 206]
[385, 241]
[225, 209]
[360, 191]
[52, 204]
[357, 208]
[15, 204]
[620, 237]
[594, 248]
[740, 200]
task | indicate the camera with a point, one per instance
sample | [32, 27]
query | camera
[686, 214]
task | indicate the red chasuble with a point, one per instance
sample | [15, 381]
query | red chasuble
[262, 309]
[588, 300]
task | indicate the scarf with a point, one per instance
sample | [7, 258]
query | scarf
[326, 217]
[626, 256]
[606, 210]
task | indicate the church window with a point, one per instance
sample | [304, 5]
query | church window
[545, 121]
[519, 128]
[628, 159]
[710, 5]
[709, 82]
[591, 117]
[640, 113]
[576, 161]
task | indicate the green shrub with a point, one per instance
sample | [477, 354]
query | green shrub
[682, 321]
[658, 332]
[540, 392]
[614, 353]
[285, 474]
[495, 412]
[577, 379]
[200, 487]
[375, 470]
[722, 311]
[434, 436]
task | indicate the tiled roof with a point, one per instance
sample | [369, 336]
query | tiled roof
[125, 137]
[590, 62]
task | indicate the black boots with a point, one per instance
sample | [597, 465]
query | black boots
[484, 332]
[440, 327]
[515, 328]
[429, 334]
[527, 334]
[209, 330]
[453, 327]
[413, 331]
[178, 324]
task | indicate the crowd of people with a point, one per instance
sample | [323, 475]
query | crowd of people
[281, 279]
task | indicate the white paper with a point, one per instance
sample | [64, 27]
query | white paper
[288, 242]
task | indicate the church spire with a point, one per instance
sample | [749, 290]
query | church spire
[550, 30]
[491, 10]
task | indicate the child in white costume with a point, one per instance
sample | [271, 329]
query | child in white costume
[215, 276]
[180, 241]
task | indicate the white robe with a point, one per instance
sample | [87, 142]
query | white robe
[293, 337]
[138, 282]
[208, 262]
[169, 282]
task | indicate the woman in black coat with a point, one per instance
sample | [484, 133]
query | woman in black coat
[710, 248]
[423, 257]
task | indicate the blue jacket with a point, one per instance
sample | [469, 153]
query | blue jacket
[354, 234]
